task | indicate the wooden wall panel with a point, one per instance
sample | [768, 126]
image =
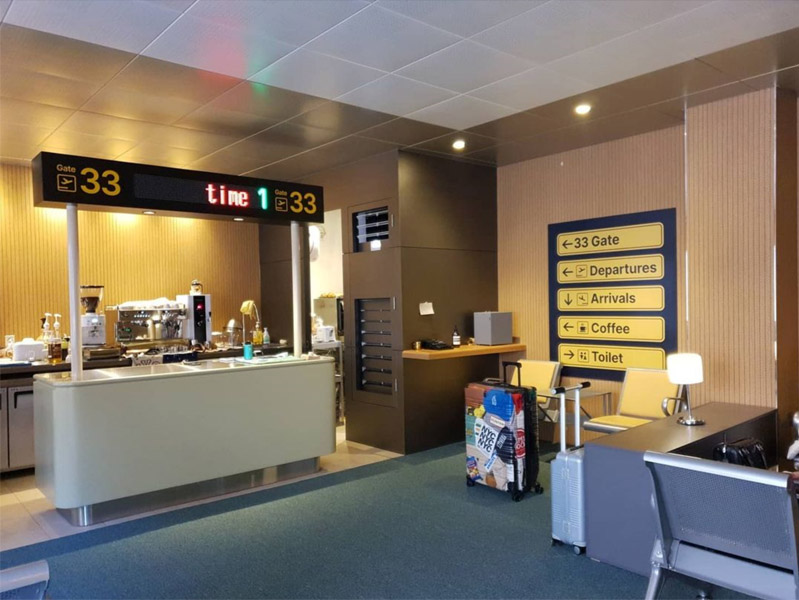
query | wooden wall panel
[731, 238]
[633, 174]
[134, 256]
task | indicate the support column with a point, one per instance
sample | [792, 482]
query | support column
[73, 259]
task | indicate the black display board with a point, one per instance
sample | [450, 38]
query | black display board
[59, 179]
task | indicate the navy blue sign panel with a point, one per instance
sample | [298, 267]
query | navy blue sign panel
[613, 293]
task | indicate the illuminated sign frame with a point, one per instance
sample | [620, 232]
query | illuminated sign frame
[95, 184]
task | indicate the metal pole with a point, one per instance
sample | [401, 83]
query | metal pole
[296, 287]
[73, 257]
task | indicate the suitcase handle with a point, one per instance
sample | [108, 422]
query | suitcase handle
[505, 365]
[579, 386]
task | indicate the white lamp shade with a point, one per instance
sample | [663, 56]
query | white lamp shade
[685, 368]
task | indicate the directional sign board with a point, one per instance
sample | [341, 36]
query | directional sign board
[613, 293]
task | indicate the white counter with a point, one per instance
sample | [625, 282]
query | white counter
[123, 432]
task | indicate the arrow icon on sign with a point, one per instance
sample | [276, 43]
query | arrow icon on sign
[567, 327]
[568, 300]
[567, 272]
[570, 354]
[566, 243]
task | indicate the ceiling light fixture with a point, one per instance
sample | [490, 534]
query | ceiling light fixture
[238, 219]
[149, 212]
[582, 109]
[459, 144]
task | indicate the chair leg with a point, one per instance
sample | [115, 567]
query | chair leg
[655, 583]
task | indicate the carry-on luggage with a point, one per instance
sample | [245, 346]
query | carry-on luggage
[748, 452]
[502, 435]
[568, 493]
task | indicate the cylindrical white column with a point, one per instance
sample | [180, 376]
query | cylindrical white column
[73, 258]
[296, 287]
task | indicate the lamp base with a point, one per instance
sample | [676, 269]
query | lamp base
[690, 421]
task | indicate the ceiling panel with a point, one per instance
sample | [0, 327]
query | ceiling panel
[105, 125]
[58, 56]
[381, 39]
[32, 113]
[404, 132]
[556, 29]
[760, 56]
[159, 154]
[604, 103]
[462, 17]
[231, 123]
[291, 169]
[265, 101]
[23, 134]
[240, 53]
[141, 106]
[396, 95]
[232, 162]
[295, 22]
[710, 27]
[465, 66]
[45, 89]
[301, 137]
[520, 125]
[443, 144]
[672, 82]
[84, 144]
[316, 74]
[785, 78]
[462, 112]
[532, 88]
[129, 25]
[4, 4]
[169, 80]
[343, 118]
[179, 137]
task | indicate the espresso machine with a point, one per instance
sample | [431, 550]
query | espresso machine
[92, 325]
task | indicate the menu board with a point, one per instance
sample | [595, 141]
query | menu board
[59, 179]
[613, 293]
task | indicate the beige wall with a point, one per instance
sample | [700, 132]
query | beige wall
[725, 224]
[135, 257]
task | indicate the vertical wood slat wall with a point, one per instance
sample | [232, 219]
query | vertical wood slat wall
[730, 238]
[134, 256]
[720, 179]
[633, 174]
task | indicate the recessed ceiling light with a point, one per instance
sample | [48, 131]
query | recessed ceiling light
[459, 144]
[238, 219]
[149, 212]
[582, 109]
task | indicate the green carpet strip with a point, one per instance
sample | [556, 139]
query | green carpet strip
[404, 528]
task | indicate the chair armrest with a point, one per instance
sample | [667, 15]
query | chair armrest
[679, 405]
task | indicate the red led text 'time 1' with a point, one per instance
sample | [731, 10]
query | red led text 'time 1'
[226, 197]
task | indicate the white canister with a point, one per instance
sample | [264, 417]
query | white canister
[30, 350]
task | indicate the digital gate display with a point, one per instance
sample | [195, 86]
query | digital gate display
[59, 179]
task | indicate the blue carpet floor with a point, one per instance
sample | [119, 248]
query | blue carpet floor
[404, 528]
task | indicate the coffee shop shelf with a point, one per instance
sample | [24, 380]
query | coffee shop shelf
[462, 352]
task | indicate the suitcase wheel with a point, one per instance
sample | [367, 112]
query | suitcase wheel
[539, 489]
[578, 550]
[517, 495]
[469, 482]
[556, 542]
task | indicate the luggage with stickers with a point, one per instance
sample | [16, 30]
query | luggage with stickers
[502, 435]
[567, 469]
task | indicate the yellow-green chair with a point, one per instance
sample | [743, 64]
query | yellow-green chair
[543, 375]
[642, 401]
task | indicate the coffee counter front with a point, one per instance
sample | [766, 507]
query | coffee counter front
[127, 440]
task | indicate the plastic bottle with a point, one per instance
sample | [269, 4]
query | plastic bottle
[456, 338]
[266, 336]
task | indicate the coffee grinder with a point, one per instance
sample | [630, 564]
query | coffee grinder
[92, 325]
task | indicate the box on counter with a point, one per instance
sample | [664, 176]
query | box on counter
[492, 328]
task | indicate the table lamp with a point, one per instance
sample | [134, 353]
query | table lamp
[686, 369]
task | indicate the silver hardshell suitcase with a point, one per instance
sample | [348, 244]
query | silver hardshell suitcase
[568, 494]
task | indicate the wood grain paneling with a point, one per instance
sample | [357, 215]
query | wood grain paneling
[135, 257]
[633, 174]
[731, 236]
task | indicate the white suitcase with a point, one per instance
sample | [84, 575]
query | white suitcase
[568, 494]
